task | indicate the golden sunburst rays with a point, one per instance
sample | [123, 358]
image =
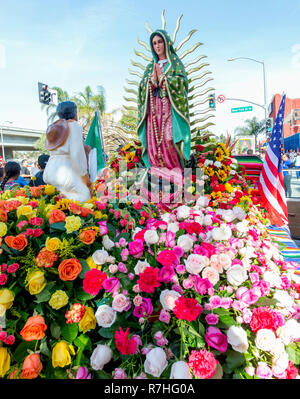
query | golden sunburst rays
[198, 83]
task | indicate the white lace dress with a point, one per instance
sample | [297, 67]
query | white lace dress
[67, 164]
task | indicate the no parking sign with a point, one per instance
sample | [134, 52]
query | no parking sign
[221, 98]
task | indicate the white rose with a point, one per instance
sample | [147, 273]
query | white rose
[283, 298]
[278, 347]
[280, 363]
[211, 274]
[173, 227]
[208, 162]
[222, 233]
[239, 212]
[228, 215]
[195, 263]
[218, 164]
[100, 256]
[207, 220]
[185, 242]
[141, 266]
[107, 242]
[183, 212]
[236, 275]
[273, 278]
[151, 237]
[105, 316]
[180, 370]
[120, 302]
[167, 299]
[242, 227]
[101, 355]
[156, 362]
[265, 339]
[289, 331]
[202, 202]
[237, 338]
[166, 217]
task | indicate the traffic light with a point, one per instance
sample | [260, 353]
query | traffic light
[212, 101]
[44, 93]
[269, 125]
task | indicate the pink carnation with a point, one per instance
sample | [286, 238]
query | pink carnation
[202, 363]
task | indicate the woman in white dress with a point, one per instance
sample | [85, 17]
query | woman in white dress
[67, 168]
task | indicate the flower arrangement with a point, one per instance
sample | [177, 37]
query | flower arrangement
[114, 289]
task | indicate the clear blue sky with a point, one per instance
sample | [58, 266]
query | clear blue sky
[75, 43]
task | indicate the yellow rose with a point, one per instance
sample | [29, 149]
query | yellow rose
[58, 299]
[2, 310]
[88, 205]
[48, 209]
[4, 361]
[26, 210]
[36, 282]
[49, 190]
[88, 322]
[53, 244]
[191, 189]
[3, 229]
[61, 354]
[22, 199]
[73, 223]
[91, 263]
[6, 298]
[228, 187]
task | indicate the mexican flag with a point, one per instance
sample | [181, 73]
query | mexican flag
[94, 139]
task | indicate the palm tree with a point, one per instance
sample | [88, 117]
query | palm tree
[88, 103]
[252, 128]
[62, 95]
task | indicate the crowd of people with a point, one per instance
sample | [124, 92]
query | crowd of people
[14, 175]
[290, 160]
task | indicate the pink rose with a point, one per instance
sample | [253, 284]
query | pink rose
[212, 318]
[3, 278]
[170, 239]
[123, 242]
[216, 339]
[124, 254]
[120, 303]
[103, 230]
[188, 283]
[249, 297]
[203, 285]
[225, 261]
[263, 370]
[226, 302]
[136, 248]
[12, 268]
[211, 274]
[166, 273]
[180, 269]
[164, 316]
[247, 315]
[122, 268]
[120, 374]
[36, 221]
[215, 301]
[111, 284]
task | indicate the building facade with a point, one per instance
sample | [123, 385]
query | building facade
[291, 123]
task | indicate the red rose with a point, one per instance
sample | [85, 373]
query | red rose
[191, 227]
[125, 345]
[167, 257]
[291, 371]
[187, 308]
[199, 147]
[93, 281]
[263, 317]
[149, 279]
[202, 363]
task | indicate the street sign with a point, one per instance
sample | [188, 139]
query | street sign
[242, 109]
[221, 98]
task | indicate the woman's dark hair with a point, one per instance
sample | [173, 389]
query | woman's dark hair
[1, 172]
[11, 169]
[66, 110]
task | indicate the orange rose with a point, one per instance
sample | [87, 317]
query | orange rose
[69, 269]
[32, 366]
[19, 242]
[34, 328]
[74, 208]
[35, 191]
[46, 258]
[57, 216]
[20, 193]
[85, 211]
[87, 236]
[3, 215]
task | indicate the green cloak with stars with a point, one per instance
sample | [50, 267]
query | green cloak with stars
[177, 91]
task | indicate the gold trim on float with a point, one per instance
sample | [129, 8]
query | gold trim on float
[148, 28]
[202, 119]
[194, 61]
[134, 100]
[190, 50]
[200, 85]
[145, 45]
[132, 82]
[139, 65]
[135, 73]
[144, 56]
[202, 93]
[130, 91]
[197, 68]
[176, 28]
[185, 39]
[199, 76]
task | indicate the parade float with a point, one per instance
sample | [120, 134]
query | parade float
[122, 287]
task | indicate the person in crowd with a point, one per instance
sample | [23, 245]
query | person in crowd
[250, 151]
[12, 172]
[22, 181]
[297, 165]
[37, 179]
[287, 175]
[25, 167]
[34, 168]
[292, 155]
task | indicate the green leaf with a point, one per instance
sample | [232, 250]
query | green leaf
[82, 295]
[21, 350]
[83, 342]
[69, 332]
[55, 330]
[103, 375]
[44, 349]
[234, 359]
[60, 374]
[293, 352]
[43, 296]
[85, 268]
[225, 317]
[263, 301]
[107, 332]
[60, 226]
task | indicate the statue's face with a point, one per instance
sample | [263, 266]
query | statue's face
[159, 46]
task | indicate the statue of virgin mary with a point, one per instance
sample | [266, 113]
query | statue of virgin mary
[163, 112]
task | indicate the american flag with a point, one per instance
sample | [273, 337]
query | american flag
[271, 185]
